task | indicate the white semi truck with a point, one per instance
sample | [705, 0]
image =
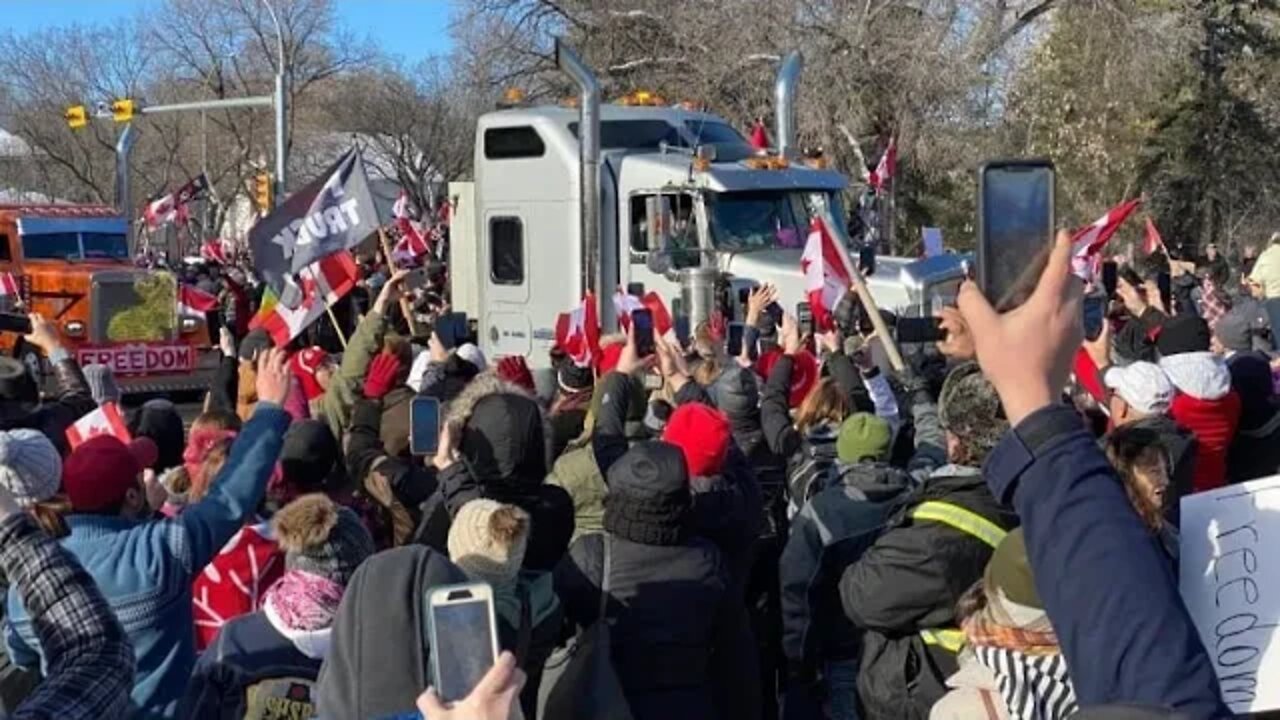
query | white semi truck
[601, 196]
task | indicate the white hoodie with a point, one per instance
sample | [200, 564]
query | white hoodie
[1202, 375]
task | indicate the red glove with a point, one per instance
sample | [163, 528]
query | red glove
[514, 369]
[382, 377]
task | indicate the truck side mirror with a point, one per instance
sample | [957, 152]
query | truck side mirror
[658, 219]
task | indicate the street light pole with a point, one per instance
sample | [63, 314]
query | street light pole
[281, 106]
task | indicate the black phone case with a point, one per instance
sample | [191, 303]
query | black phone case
[986, 254]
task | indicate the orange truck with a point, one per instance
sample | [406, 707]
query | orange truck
[72, 264]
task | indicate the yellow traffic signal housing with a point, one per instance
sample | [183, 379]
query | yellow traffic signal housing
[122, 110]
[262, 192]
[76, 117]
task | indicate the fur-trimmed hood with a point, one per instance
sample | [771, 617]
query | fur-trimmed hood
[504, 434]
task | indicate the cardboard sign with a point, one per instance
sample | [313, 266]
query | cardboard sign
[1230, 583]
[931, 237]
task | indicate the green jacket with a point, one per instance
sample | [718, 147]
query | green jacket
[348, 381]
[577, 472]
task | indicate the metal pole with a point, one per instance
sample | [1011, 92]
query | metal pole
[282, 107]
[588, 174]
[225, 104]
[124, 201]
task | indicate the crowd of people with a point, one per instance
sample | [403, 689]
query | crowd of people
[800, 531]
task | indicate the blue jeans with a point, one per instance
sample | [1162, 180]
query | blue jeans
[841, 677]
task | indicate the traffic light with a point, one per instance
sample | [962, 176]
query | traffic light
[76, 117]
[262, 192]
[122, 110]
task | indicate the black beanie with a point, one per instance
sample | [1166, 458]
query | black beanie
[1183, 334]
[574, 379]
[649, 497]
[309, 454]
[16, 383]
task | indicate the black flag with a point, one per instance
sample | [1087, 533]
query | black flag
[334, 212]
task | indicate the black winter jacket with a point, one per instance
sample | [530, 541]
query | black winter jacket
[669, 607]
[811, 458]
[397, 485]
[829, 534]
[72, 402]
[501, 463]
[909, 580]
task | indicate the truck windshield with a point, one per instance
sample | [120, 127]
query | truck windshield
[765, 219]
[75, 246]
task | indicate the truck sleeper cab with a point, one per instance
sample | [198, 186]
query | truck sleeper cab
[516, 249]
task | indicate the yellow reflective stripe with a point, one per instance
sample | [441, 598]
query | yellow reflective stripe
[949, 640]
[963, 520]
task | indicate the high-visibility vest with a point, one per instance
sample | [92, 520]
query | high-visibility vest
[970, 523]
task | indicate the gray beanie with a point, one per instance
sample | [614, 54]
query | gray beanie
[322, 537]
[30, 466]
[102, 383]
[970, 409]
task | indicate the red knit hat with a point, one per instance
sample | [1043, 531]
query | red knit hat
[100, 470]
[703, 434]
[804, 373]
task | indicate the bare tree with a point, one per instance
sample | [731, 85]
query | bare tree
[419, 125]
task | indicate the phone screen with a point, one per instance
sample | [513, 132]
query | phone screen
[867, 260]
[735, 339]
[635, 289]
[451, 328]
[774, 310]
[462, 642]
[1110, 273]
[643, 321]
[1095, 313]
[1016, 208]
[424, 425]
[804, 318]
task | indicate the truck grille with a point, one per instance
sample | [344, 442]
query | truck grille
[130, 307]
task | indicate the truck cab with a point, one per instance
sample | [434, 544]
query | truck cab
[681, 195]
[72, 264]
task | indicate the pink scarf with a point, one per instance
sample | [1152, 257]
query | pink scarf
[304, 601]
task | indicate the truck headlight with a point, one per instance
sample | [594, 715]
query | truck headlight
[73, 328]
[189, 324]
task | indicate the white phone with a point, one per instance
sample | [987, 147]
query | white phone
[464, 637]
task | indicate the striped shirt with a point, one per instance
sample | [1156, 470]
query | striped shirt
[1034, 687]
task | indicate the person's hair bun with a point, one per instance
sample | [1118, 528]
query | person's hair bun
[305, 522]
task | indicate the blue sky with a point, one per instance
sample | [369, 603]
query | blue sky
[413, 29]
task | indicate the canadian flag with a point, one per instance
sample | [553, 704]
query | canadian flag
[624, 304]
[886, 168]
[106, 420]
[1152, 242]
[9, 285]
[578, 332]
[413, 242]
[826, 277]
[319, 285]
[194, 302]
[1088, 241]
[215, 251]
[173, 207]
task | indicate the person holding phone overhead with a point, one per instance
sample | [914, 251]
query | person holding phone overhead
[493, 445]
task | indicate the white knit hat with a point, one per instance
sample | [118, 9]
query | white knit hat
[30, 466]
[487, 540]
[472, 354]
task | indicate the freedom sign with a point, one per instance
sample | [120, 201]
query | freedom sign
[334, 212]
[1230, 583]
[139, 359]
